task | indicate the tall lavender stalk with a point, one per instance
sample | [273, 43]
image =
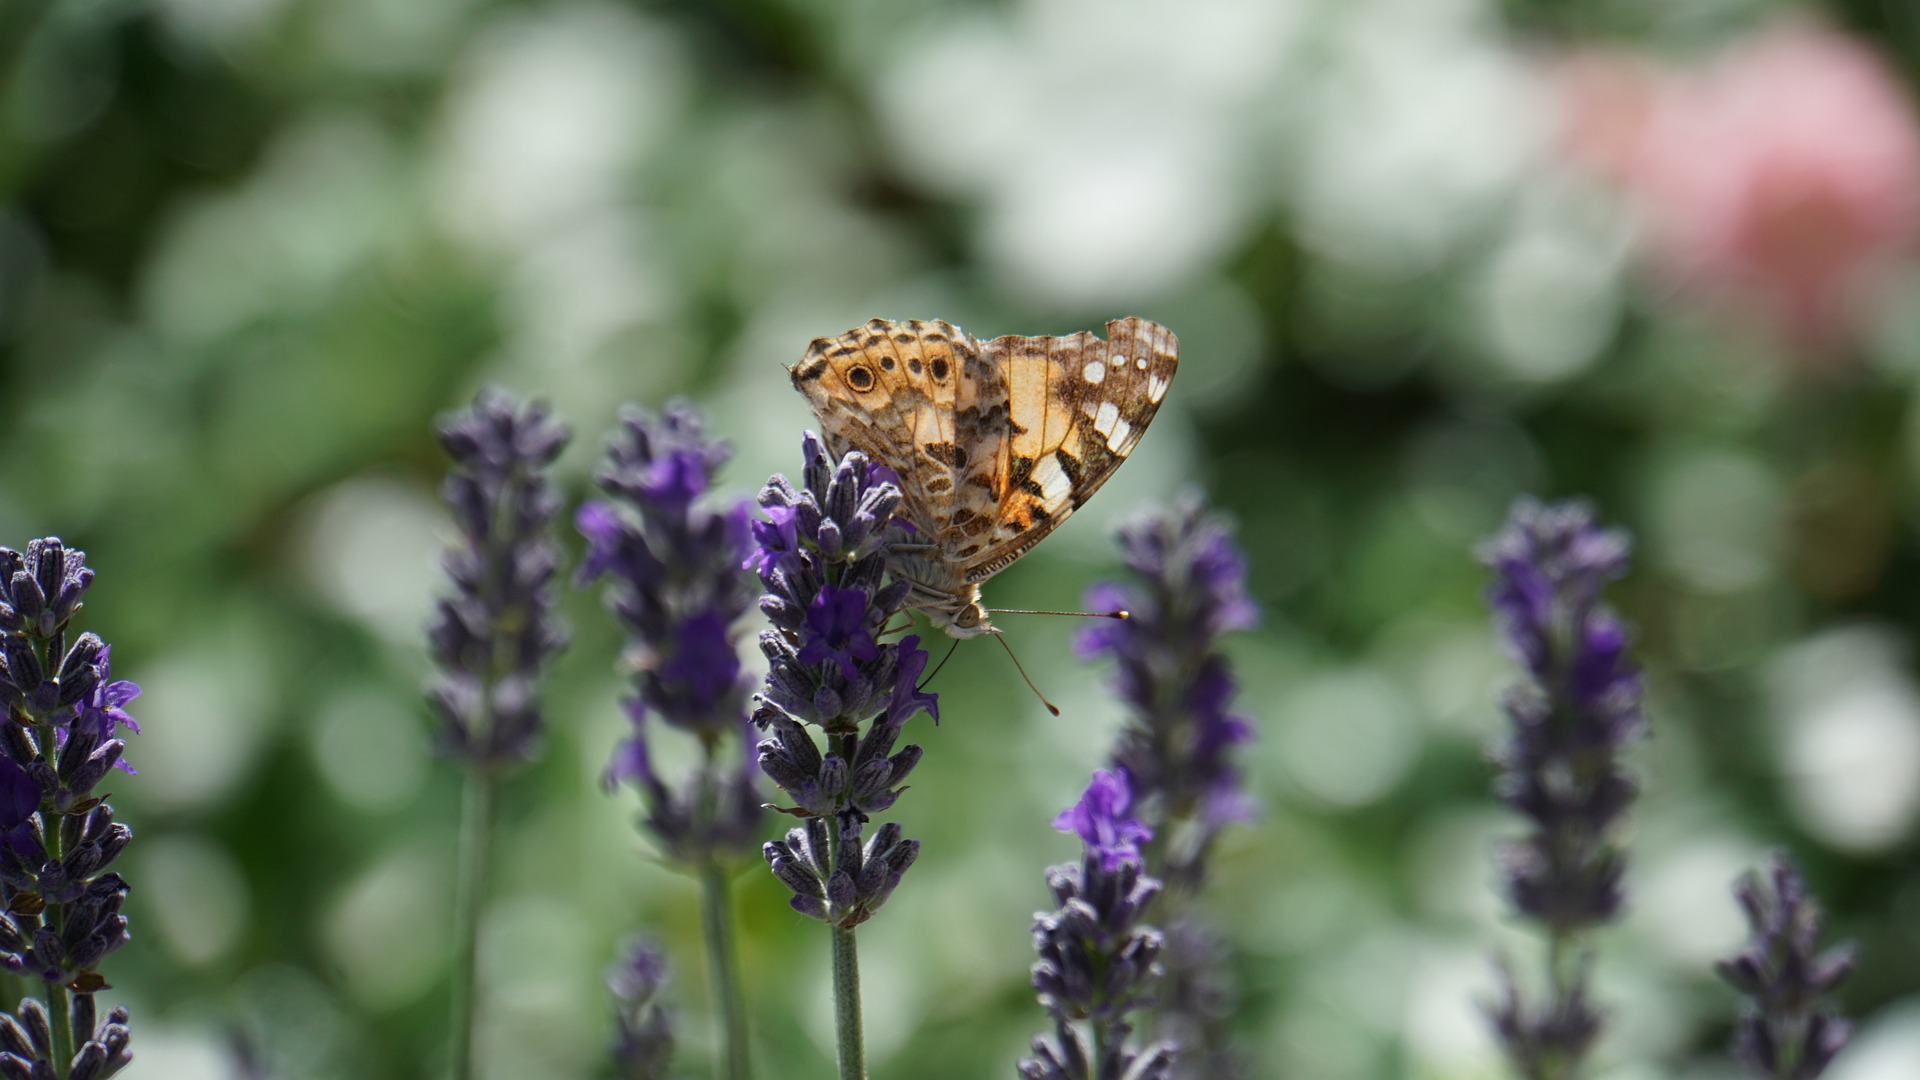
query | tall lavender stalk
[1785, 1032]
[1099, 960]
[822, 557]
[62, 905]
[677, 586]
[1560, 765]
[492, 637]
[1179, 746]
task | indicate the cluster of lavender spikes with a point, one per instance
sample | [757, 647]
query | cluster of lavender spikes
[1177, 750]
[1560, 762]
[677, 588]
[62, 904]
[1785, 1033]
[493, 636]
[1099, 961]
[822, 557]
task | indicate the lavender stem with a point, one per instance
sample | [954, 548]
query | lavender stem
[717, 920]
[476, 854]
[850, 1038]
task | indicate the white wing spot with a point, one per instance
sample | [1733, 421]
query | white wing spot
[1104, 420]
[1095, 372]
[1055, 488]
[1121, 429]
[1118, 359]
[1090, 409]
[1141, 363]
[1156, 387]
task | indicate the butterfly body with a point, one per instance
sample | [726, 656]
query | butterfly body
[995, 442]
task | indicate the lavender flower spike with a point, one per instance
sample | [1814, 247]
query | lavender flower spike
[61, 904]
[1560, 763]
[677, 587]
[492, 637]
[822, 556]
[1785, 1033]
[1179, 747]
[1099, 961]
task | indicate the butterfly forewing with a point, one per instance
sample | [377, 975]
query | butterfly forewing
[889, 390]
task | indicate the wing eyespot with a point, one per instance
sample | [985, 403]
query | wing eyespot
[860, 377]
[939, 369]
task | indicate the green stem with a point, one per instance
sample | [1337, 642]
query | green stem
[62, 1029]
[723, 967]
[846, 1005]
[476, 852]
[849, 1037]
[1562, 972]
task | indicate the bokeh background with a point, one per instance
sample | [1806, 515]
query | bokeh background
[1422, 256]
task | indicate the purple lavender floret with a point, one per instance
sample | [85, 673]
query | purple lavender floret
[672, 564]
[26, 1042]
[821, 554]
[822, 559]
[1100, 820]
[61, 907]
[1785, 1032]
[1578, 709]
[1098, 960]
[643, 1037]
[494, 635]
[847, 890]
[1178, 749]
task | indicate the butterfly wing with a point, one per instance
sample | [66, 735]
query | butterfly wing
[1075, 407]
[890, 390]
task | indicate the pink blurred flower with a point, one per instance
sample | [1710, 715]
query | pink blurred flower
[1784, 176]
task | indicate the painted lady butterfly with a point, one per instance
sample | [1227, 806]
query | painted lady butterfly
[996, 442]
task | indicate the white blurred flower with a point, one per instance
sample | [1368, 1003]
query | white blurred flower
[1848, 722]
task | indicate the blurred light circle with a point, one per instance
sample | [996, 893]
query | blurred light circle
[1884, 1047]
[203, 719]
[1347, 738]
[1681, 899]
[370, 748]
[371, 546]
[196, 894]
[374, 934]
[1849, 737]
[1715, 520]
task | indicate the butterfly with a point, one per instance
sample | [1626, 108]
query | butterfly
[995, 442]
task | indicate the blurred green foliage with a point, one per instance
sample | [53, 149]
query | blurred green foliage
[250, 248]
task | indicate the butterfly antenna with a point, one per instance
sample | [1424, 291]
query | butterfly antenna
[938, 666]
[1123, 614]
[1023, 675]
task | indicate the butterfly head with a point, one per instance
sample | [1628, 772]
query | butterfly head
[961, 616]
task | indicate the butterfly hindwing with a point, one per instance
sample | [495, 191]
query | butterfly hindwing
[1077, 407]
